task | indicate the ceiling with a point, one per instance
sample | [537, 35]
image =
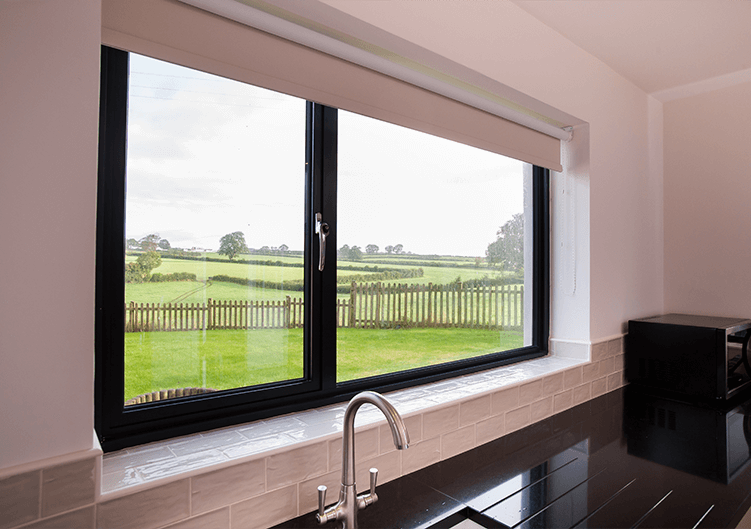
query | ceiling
[659, 45]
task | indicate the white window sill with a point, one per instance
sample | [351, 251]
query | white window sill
[142, 467]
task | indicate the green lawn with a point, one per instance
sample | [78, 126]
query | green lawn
[230, 359]
[205, 269]
[197, 292]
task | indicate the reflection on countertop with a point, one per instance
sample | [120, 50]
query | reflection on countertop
[626, 459]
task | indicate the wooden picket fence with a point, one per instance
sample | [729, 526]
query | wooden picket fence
[369, 305]
[375, 305]
[214, 314]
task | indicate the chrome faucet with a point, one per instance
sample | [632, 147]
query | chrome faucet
[349, 501]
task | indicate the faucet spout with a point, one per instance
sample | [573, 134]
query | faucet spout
[398, 430]
[349, 501]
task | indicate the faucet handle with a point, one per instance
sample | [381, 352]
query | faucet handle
[373, 479]
[321, 501]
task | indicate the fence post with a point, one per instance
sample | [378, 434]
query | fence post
[352, 303]
[459, 308]
[378, 294]
[287, 316]
[429, 322]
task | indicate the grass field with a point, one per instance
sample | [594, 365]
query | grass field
[197, 292]
[230, 359]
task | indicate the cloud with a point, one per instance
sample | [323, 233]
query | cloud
[209, 156]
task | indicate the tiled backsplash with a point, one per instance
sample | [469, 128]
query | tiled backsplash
[220, 479]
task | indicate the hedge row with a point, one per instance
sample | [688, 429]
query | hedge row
[436, 263]
[296, 285]
[403, 273]
[176, 276]
[495, 281]
[269, 262]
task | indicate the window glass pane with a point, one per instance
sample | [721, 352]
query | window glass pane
[214, 232]
[432, 253]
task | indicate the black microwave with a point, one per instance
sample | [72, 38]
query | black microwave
[688, 355]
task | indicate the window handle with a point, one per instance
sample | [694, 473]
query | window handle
[322, 229]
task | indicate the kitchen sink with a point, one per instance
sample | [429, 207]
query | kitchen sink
[466, 518]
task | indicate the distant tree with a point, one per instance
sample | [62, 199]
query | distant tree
[164, 244]
[372, 248]
[232, 244]
[150, 242]
[355, 253]
[150, 260]
[283, 248]
[399, 248]
[389, 249]
[508, 248]
[140, 270]
[343, 252]
[132, 244]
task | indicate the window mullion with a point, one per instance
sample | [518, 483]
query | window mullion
[323, 161]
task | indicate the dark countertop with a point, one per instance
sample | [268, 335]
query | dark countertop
[625, 459]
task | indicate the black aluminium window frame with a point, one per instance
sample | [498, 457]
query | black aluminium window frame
[118, 427]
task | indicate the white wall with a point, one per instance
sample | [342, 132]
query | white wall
[707, 202]
[620, 273]
[49, 71]
[48, 117]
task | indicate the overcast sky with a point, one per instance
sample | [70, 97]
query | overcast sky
[208, 156]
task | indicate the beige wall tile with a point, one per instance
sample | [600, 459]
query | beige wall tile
[582, 393]
[620, 362]
[458, 441]
[229, 485]
[517, 419]
[489, 429]
[366, 446]
[389, 467]
[421, 455]
[530, 392]
[138, 456]
[563, 401]
[475, 410]
[615, 380]
[505, 400]
[440, 421]
[607, 366]
[599, 351]
[218, 519]
[552, 384]
[66, 487]
[296, 465]
[307, 491]
[414, 430]
[541, 409]
[266, 510]
[84, 518]
[615, 346]
[599, 386]
[572, 378]
[147, 509]
[591, 371]
[20, 497]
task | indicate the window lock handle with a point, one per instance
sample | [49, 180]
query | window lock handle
[322, 229]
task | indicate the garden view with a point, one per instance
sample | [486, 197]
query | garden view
[430, 239]
[234, 317]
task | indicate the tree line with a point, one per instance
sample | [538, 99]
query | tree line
[507, 250]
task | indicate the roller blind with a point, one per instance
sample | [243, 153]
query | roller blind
[186, 35]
